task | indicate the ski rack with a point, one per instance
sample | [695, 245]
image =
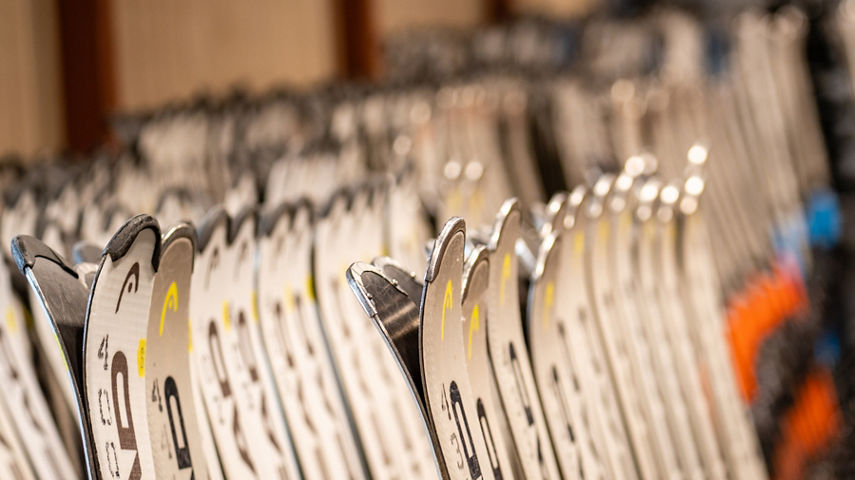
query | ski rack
[478, 391]
[239, 396]
[303, 371]
[642, 303]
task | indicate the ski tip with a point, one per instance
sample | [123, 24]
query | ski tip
[85, 252]
[545, 252]
[15, 191]
[597, 197]
[113, 208]
[577, 196]
[649, 192]
[213, 220]
[453, 230]
[556, 210]
[669, 194]
[181, 193]
[647, 196]
[623, 183]
[692, 189]
[270, 219]
[122, 240]
[406, 279]
[620, 194]
[509, 214]
[404, 174]
[26, 249]
[476, 272]
[339, 201]
[177, 232]
[390, 265]
[575, 200]
[43, 223]
[603, 185]
[356, 278]
[245, 218]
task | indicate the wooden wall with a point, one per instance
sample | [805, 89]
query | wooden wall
[30, 93]
[395, 15]
[168, 49]
[162, 50]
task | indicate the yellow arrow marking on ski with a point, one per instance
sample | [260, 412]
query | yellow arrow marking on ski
[170, 302]
[549, 300]
[506, 274]
[447, 303]
[474, 325]
[141, 358]
[227, 319]
[254, 301]
[10, 320]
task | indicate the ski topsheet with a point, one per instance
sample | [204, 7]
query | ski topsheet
[240, 399]
[291, 332]
[427, 339]
[62, 297]
[114, 351]
[180, 437]
[386, 419]
[509, 355]
[235, 351]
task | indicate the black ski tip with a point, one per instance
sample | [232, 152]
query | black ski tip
[121, 242]
[406, 279]
[16, 190]
[269, 220]
[476, 271]
[390, 263]
[375, 187]
[113, 209]
[26, 249]
[43, 222]
[215, 218]
[303, 207]
[85, 252]
[341, 195]
[181, 193]
[357, 279]
[246, 216]
[449, 232]
[405, 173]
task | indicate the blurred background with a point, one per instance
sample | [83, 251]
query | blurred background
[66, 65]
